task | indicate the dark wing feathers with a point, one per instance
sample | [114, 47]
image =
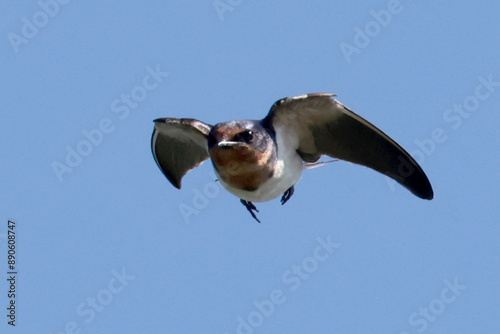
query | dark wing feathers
[179, 145]
[326, 126]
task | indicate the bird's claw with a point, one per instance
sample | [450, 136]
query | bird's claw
[287, 195]
[250, 206]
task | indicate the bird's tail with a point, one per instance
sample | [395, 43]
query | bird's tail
[311, 165]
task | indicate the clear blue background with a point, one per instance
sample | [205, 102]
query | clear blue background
[116, 211]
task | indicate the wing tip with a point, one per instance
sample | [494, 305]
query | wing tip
[422, 188]
[429, 195]
[176, 183]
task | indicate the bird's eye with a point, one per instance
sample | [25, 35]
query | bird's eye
[245, 136]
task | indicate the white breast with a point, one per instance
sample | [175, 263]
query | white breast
[287, 173]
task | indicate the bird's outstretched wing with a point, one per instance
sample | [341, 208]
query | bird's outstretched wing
[323, 125]
[179, 145]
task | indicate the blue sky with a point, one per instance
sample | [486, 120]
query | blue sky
[101, 243]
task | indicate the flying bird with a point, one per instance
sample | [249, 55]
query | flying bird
[259, 160]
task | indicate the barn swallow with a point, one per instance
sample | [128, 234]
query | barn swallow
[259, 160]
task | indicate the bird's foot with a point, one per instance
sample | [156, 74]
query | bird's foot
[287, 195]
[249, 205]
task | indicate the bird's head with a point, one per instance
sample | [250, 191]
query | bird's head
[243, 153]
